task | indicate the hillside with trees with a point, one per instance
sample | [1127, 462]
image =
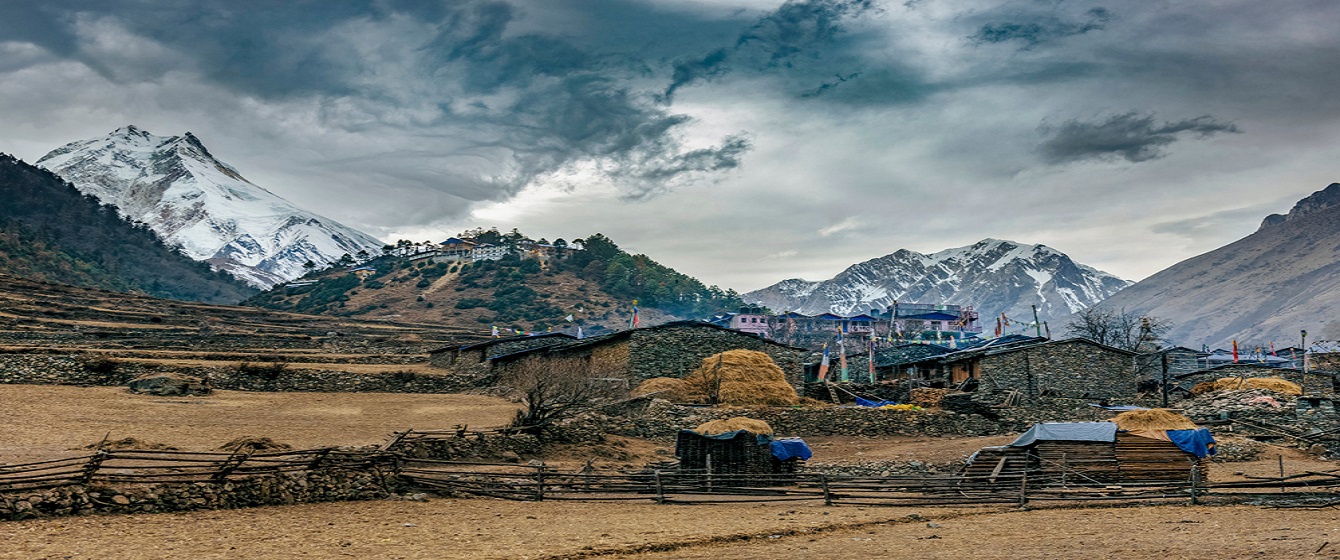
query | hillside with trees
[51, 232]
[591, 279]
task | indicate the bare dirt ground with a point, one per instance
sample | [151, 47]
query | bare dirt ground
[46, 421]
[501, 529]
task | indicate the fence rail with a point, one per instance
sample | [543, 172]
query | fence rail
[538, 482]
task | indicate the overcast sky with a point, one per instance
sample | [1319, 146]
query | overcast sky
[739, 141]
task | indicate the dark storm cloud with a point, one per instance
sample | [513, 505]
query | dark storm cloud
[1041, 29]
[533, 101]
[1130, 136]
[798, 33]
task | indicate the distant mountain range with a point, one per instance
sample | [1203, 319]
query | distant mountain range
[994, 276]
[50, 232]
[1265, 287]
[202, 206]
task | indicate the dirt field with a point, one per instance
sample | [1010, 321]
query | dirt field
[499, 529]
[45, 421]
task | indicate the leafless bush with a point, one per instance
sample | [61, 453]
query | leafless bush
[554, 389]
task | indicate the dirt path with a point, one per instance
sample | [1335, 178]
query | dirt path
[500, 529]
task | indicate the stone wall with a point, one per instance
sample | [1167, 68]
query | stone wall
[677, 351]
[662, 420]
[456, 357]
[1063, 369]
[323, 485]
[91, 369]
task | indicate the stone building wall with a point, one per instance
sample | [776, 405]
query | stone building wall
[454, 357]
[678, 351]
[1064, 369]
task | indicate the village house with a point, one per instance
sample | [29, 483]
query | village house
[668, 350]
[1075, 368]
[474, 358]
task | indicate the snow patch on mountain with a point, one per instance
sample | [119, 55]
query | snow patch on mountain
[202, 206]
[993, 275]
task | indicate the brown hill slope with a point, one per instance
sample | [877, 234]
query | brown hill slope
[1265, 287]
[49, 315]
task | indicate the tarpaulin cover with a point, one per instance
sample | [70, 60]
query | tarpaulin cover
[1197, 442]
[873, 404]
[1068, 431]
[790, 448]
[760, 439]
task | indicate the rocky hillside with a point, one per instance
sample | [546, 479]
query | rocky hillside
[51, 232]
[992, 275]
[1265, 287]
[202, 206]
[596, 285]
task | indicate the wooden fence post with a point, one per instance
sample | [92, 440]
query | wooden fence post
[1023, 490]
[1283, 488]
[660, 490]
[94, 463]
[539, 484]
[1195, 482]
[828, 497]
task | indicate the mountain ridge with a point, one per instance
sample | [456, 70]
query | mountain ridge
[203, 206]
[993, 275]
[1265, 287]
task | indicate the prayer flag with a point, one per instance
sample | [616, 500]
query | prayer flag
[823, 364]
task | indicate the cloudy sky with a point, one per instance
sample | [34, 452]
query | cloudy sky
[739, 141]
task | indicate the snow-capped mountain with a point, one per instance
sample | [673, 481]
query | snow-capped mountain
[992, 275]
[202, 206]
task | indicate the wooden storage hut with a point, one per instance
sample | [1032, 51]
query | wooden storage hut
[738, 446]
[1095, 453]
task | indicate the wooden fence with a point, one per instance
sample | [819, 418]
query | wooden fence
[661, 485]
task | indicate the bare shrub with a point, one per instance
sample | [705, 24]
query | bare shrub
[554, 389]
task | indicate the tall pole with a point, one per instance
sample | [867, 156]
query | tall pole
[1037, 326]
[1164, 358]
[1304, 377]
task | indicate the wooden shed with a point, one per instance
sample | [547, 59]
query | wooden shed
[1094, 453]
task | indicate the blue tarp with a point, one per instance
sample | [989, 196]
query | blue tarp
[790, 448]
[872, 404]
[1196, 442]
[1068, 431]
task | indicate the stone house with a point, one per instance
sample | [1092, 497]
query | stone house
[1074, 368]
[475, 358]
[668, 350]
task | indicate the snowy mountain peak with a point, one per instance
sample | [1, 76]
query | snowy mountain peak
[202, 206]
[993, 275]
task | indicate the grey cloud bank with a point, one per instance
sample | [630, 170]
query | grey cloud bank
[741, 142]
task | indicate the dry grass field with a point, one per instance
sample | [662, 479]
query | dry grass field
[45, 421]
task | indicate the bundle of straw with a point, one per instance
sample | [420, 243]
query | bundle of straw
[756, 427]
[1153, 419]
[1275, 384]
[742, 377]
[670, 389]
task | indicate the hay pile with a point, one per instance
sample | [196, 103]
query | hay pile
[927, 397]
[1153, 419]
[131, 443]
[741, 377]
[1275, 384]
[756, 427]
[253, 444]
[668, 388]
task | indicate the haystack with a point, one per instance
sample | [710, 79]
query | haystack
[253, 444]
[742, 377]
[668, 388]
[1153, 419]
[756, 427]
[1275, 384]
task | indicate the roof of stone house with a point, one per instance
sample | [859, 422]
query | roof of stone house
[1032, 342]
[626, 334]
[1244, 365]
[908, 354]
[495, 341]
